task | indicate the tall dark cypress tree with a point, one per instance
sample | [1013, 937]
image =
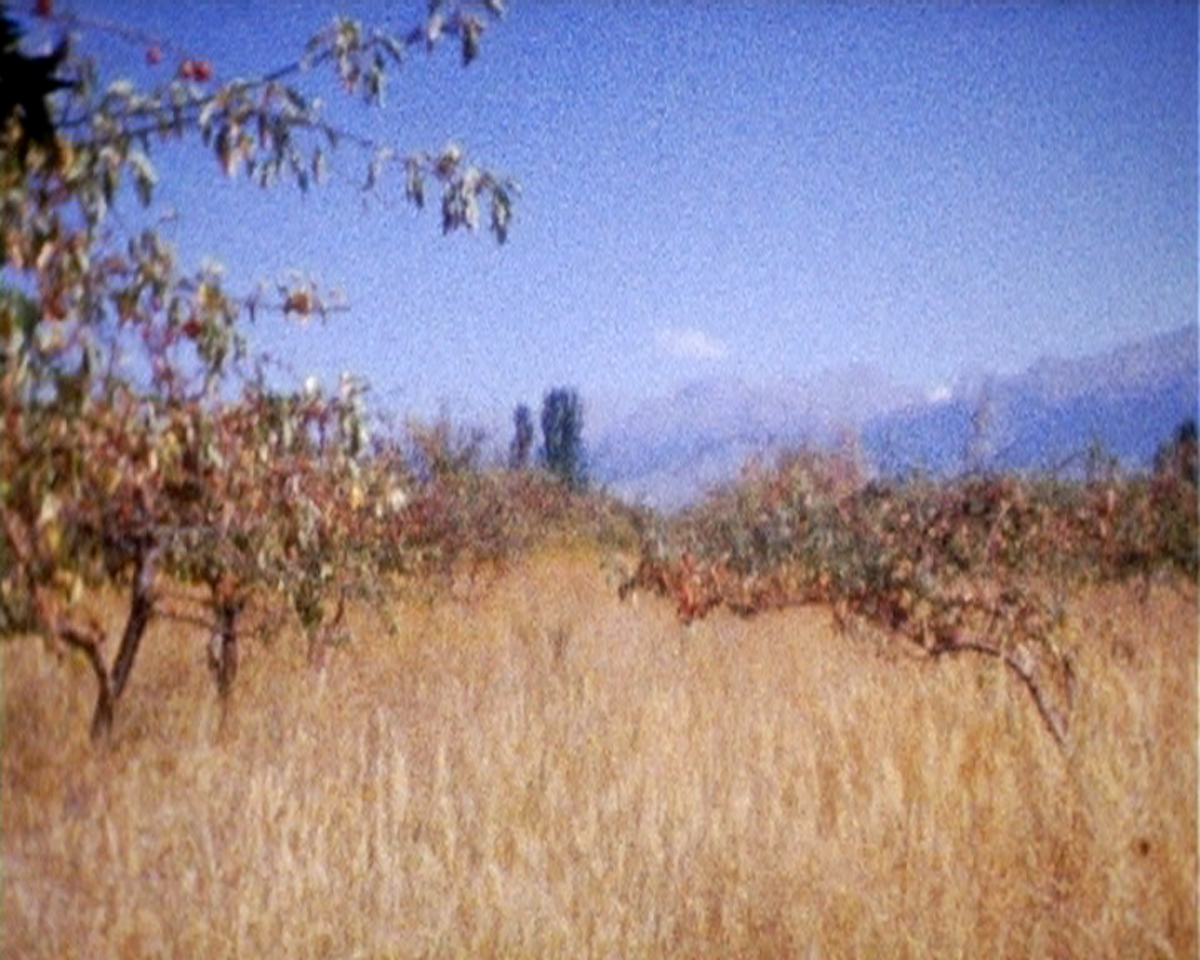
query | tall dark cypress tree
[562, 436]
[522, 441]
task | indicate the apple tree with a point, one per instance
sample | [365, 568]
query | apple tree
[140, 446]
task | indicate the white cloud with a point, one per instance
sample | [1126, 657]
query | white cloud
[688, 344]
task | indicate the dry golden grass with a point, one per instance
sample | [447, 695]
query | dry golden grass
[539, 770]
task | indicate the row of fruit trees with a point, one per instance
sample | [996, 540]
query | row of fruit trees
[982, 565]
[142, 449]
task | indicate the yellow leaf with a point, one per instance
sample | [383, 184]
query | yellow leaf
[51, 536]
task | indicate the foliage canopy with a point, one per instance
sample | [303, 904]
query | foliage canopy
[140, 437]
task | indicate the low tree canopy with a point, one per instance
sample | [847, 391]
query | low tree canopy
[139, 435]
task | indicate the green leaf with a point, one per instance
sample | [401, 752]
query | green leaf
[501, 213]
[471, 30]
[144, 175]
[414, 183]
[470, 211]
[393, 47]
[119, 90]
[433, 28]
[204, 120]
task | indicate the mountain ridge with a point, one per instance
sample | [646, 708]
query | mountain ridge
[1128, 399]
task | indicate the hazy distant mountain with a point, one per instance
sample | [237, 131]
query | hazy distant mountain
[1128, 401]
[670, 449]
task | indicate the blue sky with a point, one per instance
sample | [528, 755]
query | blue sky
[755, 190]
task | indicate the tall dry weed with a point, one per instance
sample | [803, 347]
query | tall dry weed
[540, 770]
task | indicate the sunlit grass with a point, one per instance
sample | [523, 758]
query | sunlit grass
[535, 769]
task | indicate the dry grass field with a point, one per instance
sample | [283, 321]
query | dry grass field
[537, 769]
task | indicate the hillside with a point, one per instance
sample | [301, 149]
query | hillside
[1129, 400]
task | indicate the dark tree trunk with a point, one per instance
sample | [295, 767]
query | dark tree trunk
[223, 647]
[141, 609]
